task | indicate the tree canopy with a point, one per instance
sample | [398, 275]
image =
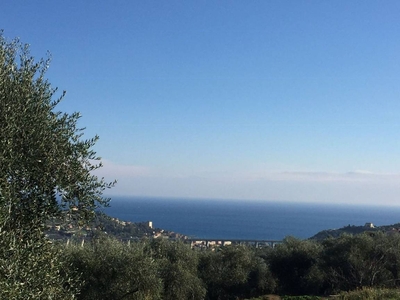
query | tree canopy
[45, 171]
[45, 164]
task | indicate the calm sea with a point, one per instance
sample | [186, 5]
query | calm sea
[233, 219]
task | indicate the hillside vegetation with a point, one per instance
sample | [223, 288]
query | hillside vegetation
[165, 269]
[352, 229]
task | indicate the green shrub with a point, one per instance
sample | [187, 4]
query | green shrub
[31, 268]
[353, 262]
[370, 294]
[114, 270]
[178, 267]
[296, 265]
[235, 272]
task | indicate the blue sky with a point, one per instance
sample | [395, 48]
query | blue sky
[269, 100]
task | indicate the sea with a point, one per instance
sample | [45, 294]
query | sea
[246, 220]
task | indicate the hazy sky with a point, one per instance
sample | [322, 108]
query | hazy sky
[270, 100]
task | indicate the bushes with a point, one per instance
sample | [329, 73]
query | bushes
[370, 294]
[162, 269]
[234, 272]
[352, 262]
[31, 268]
[112, 270]
[177, 268]
[296, 265]
[342, 264]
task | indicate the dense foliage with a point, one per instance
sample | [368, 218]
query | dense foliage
[45, 172]
[163, 269]
[45, 165]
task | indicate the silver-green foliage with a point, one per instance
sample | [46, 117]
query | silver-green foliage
[45, 168]
[31, 268]
[178, 269]
[354, 262]
[42, 154]
[114, 270]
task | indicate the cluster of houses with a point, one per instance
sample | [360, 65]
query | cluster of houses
[59, 230]
[201, 245]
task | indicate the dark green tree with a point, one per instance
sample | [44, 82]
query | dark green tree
[363, 260]
[390, 243]
[113, 270]
[296, 265]
[234, 272]
[178, 268]
[45, 171]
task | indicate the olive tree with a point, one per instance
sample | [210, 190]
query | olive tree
[178, 269]
[114, 270]
[45, 165]
[296, 265]
[363, 260]
[234, 272]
